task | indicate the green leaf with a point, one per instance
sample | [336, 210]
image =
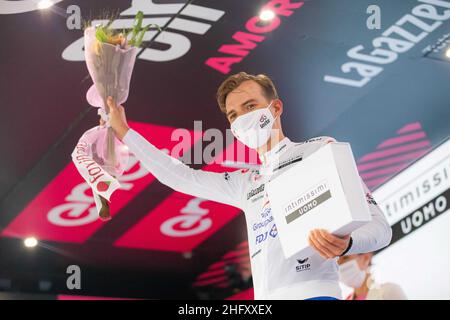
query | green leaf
[100, 34]
[103, 33]
[137, 26]
[143, 31]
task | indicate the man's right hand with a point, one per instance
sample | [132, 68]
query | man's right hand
[117, 118]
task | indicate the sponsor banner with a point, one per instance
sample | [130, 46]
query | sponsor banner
[416, 204]
[421, 216]
[417, 185]
[418, 194]
[65, 209]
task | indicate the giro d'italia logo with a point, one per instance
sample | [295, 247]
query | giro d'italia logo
[263, 121]
[173, 42]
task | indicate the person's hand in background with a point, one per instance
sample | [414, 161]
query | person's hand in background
[117, 118]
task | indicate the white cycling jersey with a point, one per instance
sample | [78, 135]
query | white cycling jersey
[274, 277]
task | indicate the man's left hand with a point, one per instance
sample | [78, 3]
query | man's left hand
[326, 244]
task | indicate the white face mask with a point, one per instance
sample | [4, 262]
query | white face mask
[351, 275]
[254, 128]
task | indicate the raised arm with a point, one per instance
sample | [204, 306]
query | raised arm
[221, 187]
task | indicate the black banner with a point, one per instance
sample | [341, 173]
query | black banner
[421, 216]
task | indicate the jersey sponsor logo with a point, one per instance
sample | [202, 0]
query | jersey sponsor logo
[281, 148]
[302, 265]
[317, 139]
[288, 162]
[256, 191]
[257, 198]
[256, 253]
[266, 212]
[302, 261]
[254, 174]
[265, 200]
[273, 232]
[266, 215]
[313, 140]
[263, 224]
[261, 237]
[256, 177]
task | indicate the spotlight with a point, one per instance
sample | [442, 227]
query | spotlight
[447, 53]
[44, 4]
[30, 242]
[266, 15]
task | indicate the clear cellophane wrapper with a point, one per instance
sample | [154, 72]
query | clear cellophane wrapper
[98, 168]
[99, 156]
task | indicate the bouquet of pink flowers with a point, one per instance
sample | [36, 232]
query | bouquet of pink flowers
[110, 57]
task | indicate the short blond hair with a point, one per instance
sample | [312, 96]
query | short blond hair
[235, 80]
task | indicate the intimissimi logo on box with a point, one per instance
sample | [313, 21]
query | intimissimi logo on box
[307, 201]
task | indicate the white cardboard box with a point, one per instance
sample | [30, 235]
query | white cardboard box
[323, 191]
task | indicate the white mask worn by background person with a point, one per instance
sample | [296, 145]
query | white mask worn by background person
[351, 275]
[254, 128]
